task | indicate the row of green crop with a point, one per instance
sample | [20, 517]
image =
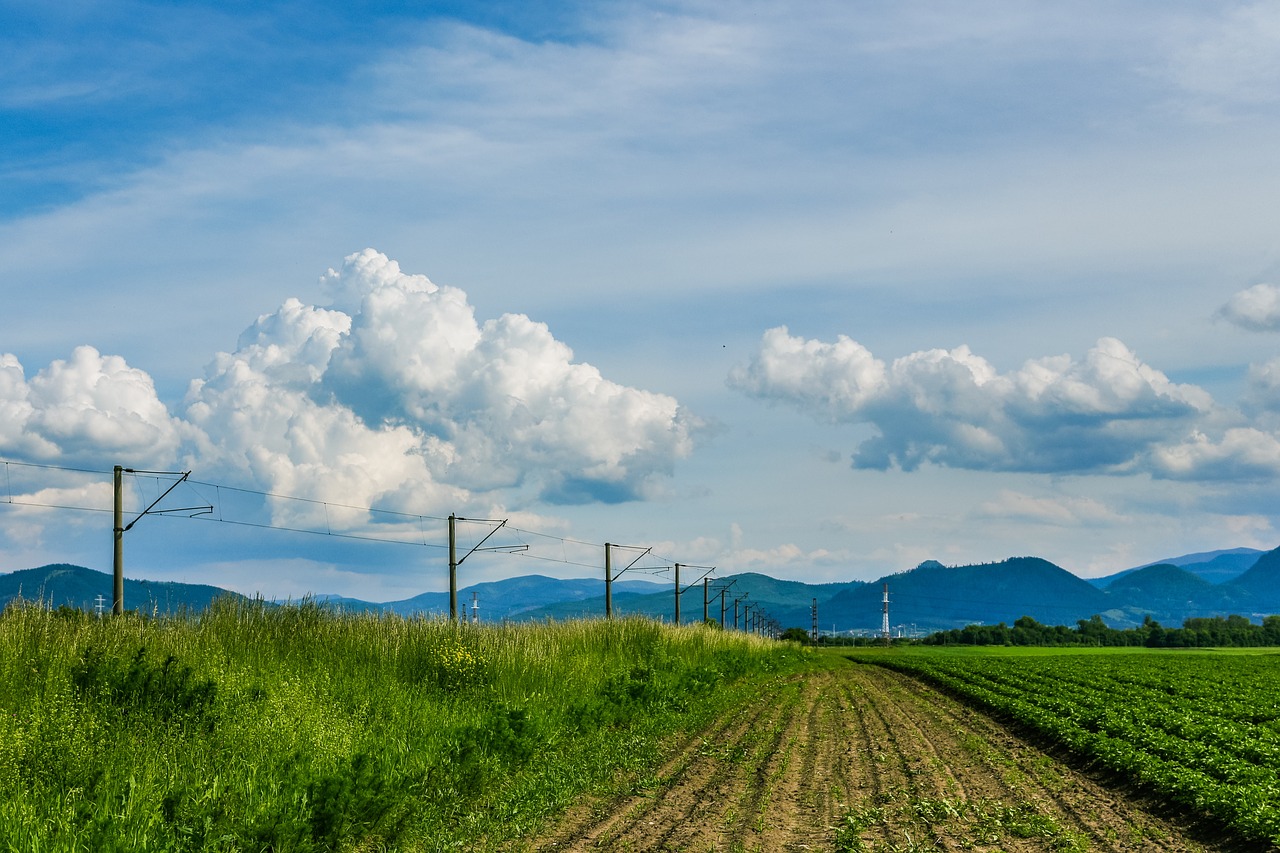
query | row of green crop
[1202, 730]
[257, 728]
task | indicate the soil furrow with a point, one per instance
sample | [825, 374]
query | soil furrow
[773, 762]
[863, 756]
[860, 759]
[809, 793]
[1088, 805]
[694, 791]
[735, 777]
[590, 824]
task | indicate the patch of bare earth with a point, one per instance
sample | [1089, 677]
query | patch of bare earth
[860, 758]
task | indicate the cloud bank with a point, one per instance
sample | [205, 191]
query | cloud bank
[1106, 413]
[395, 395]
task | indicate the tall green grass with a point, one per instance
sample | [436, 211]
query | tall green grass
[256, 728]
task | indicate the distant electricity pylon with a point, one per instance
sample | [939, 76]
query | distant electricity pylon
[884, 624]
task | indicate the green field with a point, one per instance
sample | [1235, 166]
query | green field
[258, 728]
[1199, 728]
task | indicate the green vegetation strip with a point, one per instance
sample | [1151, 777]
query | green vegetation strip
[922, 823]
[258, 728]
[1199, 729]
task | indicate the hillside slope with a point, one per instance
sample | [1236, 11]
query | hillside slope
[60, 585]
[932, 596]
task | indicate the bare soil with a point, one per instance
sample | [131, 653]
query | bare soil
[859, 758]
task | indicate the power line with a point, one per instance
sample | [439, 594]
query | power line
[218, 505]
[58, 506]
[14, 462]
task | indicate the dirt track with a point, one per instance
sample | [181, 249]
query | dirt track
[863, 759]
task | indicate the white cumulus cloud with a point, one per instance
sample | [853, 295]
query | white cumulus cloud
[394, 397]
[398, 396]
[88, 407]
[1241, 453]
[1256, 308]
[953, 408]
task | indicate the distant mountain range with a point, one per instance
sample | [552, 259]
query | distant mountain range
[927, 598]
[61, 585]
[1212, 566]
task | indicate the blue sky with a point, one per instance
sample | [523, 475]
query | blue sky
[821, 290]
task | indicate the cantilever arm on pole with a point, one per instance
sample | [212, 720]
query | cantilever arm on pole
[195, 510]
[632, 564]
[724, 589]
[476, 547]
[709, 570]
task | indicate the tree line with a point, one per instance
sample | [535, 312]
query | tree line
[1197, 632]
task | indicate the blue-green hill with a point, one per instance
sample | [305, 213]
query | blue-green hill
[927, 598]
[62, 585]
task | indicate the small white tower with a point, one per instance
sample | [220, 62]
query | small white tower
[884, 625]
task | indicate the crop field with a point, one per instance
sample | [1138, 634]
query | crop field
[858, 758]
[260, 729]
[1198, 729]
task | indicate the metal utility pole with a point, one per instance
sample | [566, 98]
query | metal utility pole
[120, 528]
[813, 634]
[722, 594]
[677, 619]
[475, 608]
[680, 592]
[453, 568]
[455, 561]
[117, 562]
[706, 602]
[608, 581]
[610, 577]
[884, 624]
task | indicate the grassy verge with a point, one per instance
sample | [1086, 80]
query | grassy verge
[253, 728]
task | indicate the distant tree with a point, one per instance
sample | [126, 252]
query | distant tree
[1234, 630]
[1028, 632]
[799, 635]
